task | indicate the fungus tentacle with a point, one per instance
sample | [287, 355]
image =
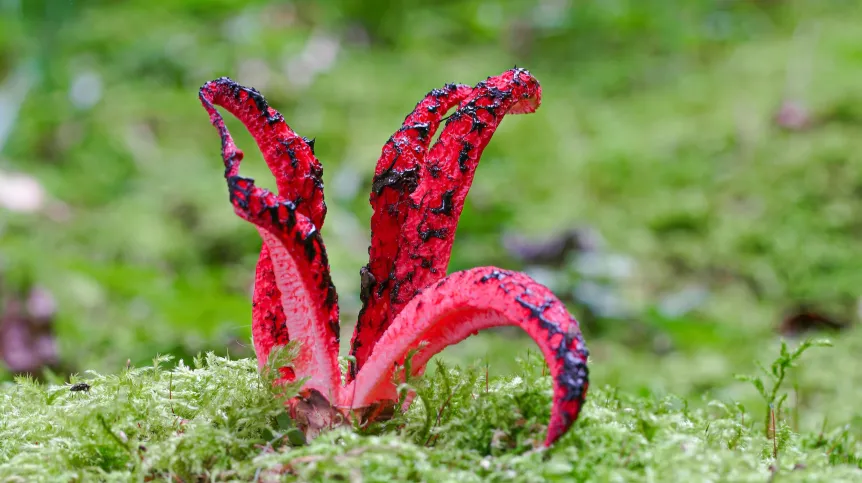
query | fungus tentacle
[395, 178]
[459, 306]
[429, 232]
[294, 295]
[301, 269]
[290, 157]
[298, 177]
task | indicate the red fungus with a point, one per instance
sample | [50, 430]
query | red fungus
[409, 304]
[395, 178]
[428, 234]
[293, 270]
[461, 305]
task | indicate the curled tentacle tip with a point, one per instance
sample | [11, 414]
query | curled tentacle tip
[533, 94]
[528, 105]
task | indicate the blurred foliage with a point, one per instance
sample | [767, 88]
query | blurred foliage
[658, 129]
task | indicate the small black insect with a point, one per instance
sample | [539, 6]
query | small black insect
[81, 386]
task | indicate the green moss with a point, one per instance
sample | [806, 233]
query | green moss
[144, 421]
[221, 421]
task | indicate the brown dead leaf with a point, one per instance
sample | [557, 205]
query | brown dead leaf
[804, 319]
[314, 414]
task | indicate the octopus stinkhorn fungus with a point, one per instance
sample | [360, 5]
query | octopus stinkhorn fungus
[410, 307]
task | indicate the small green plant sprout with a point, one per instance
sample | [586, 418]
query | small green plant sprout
[769, 385]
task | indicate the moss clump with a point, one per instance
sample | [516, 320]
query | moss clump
[221, 421]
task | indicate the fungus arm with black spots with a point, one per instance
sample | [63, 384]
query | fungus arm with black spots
[396, 176]
[293, 295]
[461, 305]
[427, 220]
[429, 232]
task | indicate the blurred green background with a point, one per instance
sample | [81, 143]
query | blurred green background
[704, 155]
